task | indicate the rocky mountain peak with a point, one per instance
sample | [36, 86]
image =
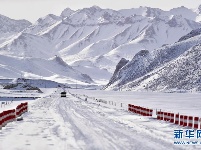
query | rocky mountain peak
[199, 9]
[66, 12]
[8, 25]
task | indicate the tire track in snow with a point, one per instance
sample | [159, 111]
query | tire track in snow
[90, 126]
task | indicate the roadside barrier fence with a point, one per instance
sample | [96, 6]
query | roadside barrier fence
[170, 117]
[181, 120]
[11, 115]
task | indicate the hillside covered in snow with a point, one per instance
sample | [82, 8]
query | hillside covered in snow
[91, 40]
[171, 67]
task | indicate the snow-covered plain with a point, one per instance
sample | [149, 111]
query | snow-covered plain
[184, 103]
[54, 123]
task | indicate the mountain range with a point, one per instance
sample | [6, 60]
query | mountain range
[174, 67]
[93, 40]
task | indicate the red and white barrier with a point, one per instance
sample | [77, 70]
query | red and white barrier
[165, 118]
[185, 121]
[196, 122]
[1, 120]
[150, 112]
[162, 115]
[129, 107]
[169, 117]
[172, 117]
[190, 121]
[135, 109]
[158, 115]
[182, 120]
[140, 110]
[6, 117]
[10, 115]
[22, 108]
[177, 119]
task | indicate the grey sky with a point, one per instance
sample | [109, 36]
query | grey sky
[34, 9]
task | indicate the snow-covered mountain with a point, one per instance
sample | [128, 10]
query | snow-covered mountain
[172, 67]
[29, 55]
[93, 40]
[51, 69]
[28, 45]
[10, 27]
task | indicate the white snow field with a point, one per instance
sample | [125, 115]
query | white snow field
[71, 123]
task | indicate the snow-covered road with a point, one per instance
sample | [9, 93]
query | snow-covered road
[55, 123]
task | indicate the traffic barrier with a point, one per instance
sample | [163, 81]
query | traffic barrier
[177, 119]
[165, 118]
[10, 115]
[13, 116]
[140, 110]
[158, 113]
[7, 116]
[18, 109]
[162, 115]
[196, 119]
[181, 121]
[190, 121]
[129, 107]
[169, 117]
[146, 113]
[150, 112]
[185, 123]
[134, 109]
[4, 118]
[172, 117]
[1, 120]
[22, 108]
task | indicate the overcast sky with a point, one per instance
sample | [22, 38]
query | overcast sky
[34, 9]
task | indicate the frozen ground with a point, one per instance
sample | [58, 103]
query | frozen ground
[184, 103]
[55, 123]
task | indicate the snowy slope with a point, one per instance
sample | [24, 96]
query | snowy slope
[182, 73]
[25, 53]
[131, 34]
[100, 35]
[28, 45]
[52, 69]
[10, 27]
[98, 38]
[43, 24]
[171, 67]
